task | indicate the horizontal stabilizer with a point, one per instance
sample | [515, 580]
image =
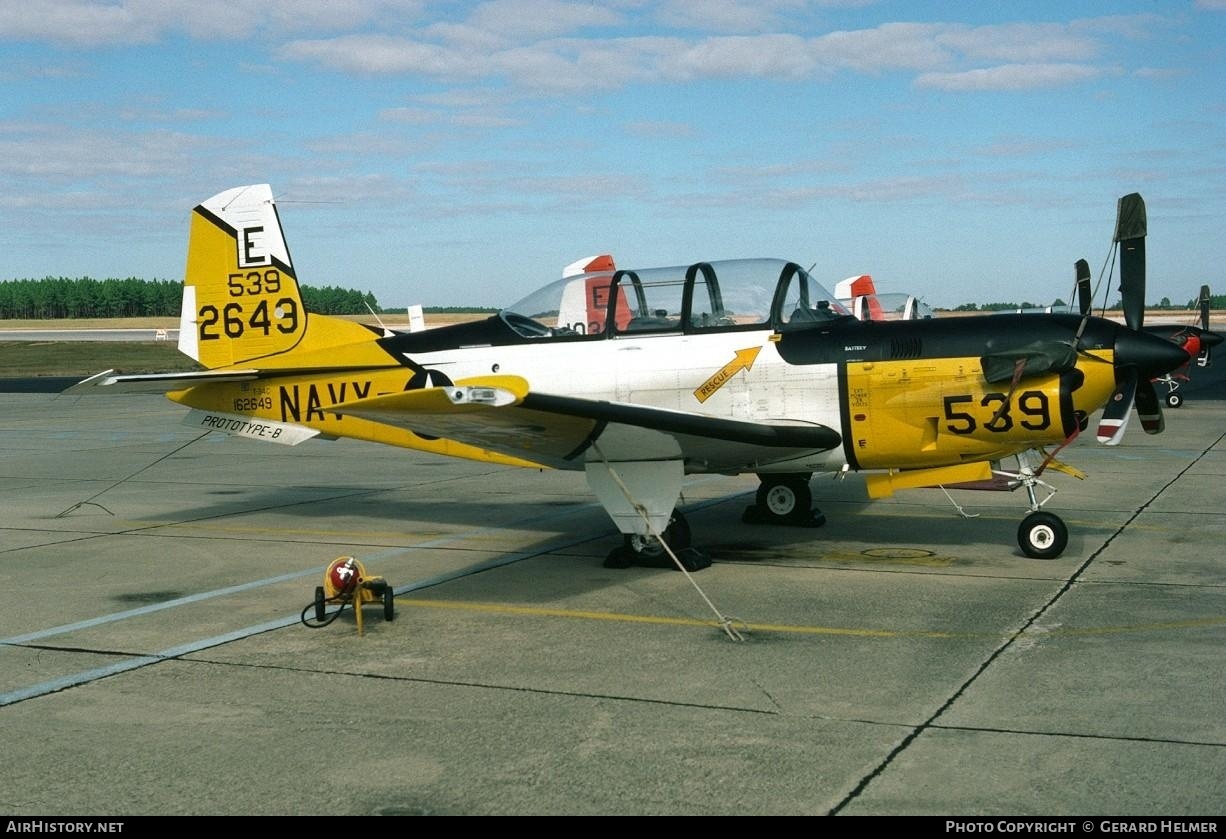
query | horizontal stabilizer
[158, 382]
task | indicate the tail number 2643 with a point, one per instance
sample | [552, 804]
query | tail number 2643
[234, 321]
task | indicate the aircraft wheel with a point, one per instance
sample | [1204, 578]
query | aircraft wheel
[1042, 535]
[1174, 400]
[785, 498]
[319, 603]
[676, 535]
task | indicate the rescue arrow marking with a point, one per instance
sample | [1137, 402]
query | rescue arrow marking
[744, 361]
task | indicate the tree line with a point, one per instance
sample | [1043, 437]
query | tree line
[85, 297]
[1216, 301]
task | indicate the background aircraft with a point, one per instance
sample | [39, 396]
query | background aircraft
[1196, 340]
[860, 296]
[639, 377]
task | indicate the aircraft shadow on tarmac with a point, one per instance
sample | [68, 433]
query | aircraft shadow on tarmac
[922, 530]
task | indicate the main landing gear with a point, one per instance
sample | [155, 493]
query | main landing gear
[784, 499]
[647, 551]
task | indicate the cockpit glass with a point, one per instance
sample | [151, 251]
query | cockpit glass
[725, 294]
[571, 306]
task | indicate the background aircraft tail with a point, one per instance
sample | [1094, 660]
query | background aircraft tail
[241, 300]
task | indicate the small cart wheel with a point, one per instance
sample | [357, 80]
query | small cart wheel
[319, 603]
[389, 604]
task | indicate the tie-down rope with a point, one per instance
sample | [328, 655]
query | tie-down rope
[725, 622]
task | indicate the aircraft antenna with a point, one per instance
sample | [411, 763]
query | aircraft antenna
[376, 314]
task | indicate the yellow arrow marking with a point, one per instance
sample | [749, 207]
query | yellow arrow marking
[744, 360]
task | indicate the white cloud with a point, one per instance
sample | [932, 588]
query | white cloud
[722, 15]
[891, 46]
[521, 20]
[1010, 77]
[383, 54]
[664, 130]
[1161, 73]
[1020, 43]
[79, 22]
[555, 47]
[100, 22]
[55, 152]
[761, 56]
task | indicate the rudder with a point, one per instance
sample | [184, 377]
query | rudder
[241, 300]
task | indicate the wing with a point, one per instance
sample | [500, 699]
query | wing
[500, 413]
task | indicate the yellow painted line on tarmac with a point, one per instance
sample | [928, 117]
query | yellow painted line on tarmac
[536, 611]
[288, 531]
[800, 629]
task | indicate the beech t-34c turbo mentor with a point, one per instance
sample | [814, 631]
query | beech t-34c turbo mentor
[639, 377]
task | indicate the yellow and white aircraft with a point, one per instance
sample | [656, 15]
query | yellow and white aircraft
[640, 377]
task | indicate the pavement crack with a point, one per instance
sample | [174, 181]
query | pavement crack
[1074, 579]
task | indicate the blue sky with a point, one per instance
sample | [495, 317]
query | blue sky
[459, 153]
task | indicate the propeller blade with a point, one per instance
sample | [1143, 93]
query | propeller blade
[1130, 228]
[1149, 408]
[1084, 300]
[1202, 360]
[1118, 410]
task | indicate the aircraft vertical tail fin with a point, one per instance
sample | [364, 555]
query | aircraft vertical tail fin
[241, 301]
[859, 293]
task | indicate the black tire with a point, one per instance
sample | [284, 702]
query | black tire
[1042, 535]
[677, 535]
[1174, 400]
[389, 604]
[785, 498]
[319, 603]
